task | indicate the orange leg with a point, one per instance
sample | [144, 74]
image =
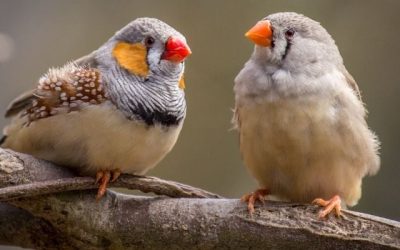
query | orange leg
[329, 206]
[103, 177]
[250, 199]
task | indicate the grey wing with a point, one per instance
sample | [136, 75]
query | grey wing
[88, 60]
[235, 119]
[20, 103]
[24, 100]
[352, 83]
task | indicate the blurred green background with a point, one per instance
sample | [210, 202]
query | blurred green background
[35, 35]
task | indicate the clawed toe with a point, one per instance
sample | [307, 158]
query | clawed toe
[115, 174]
[250, 199]
[332, 205]
[103, 177]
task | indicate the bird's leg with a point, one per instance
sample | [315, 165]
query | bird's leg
[104, 177]
[330, 205]
[251, 198]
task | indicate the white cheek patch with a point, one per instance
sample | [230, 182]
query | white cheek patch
[154, 55]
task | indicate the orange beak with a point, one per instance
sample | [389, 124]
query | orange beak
[176, 50]
[261, 33]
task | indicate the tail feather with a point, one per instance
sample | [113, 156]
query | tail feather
[3, 139]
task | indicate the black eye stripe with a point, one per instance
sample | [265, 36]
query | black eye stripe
[289, 36]
[287, 48]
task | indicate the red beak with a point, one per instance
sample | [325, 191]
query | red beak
[176, 50]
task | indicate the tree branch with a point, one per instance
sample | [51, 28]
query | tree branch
[16, 170]
[51, 216]
[146, 184]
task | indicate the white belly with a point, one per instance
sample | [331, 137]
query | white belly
[98, 137]
[304, 149]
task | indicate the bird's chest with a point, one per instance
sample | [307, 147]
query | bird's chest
[286, 119]
[100, 137]
[132, 146]
[282, 134]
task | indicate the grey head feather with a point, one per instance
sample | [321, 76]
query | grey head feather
[155, 98]
[320, 50]
[311, 44]
[290, 66]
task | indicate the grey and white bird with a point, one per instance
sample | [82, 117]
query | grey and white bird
[301, 120]
[118, 110]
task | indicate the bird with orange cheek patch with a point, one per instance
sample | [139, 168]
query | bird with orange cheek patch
[301, 121]
[118, 110]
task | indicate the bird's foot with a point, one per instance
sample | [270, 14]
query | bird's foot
[329, 206]
[250, 199]
[115, 174]
[103, 177]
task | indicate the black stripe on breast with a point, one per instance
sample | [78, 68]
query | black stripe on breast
[152, 117]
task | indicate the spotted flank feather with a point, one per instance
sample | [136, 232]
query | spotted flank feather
[65, 89]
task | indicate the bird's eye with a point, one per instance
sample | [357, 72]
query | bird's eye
[289, 33]
[149, 41]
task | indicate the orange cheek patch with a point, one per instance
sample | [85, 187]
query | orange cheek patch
[182, 83]
[132, 57]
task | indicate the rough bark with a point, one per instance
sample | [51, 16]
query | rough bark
[47, 207]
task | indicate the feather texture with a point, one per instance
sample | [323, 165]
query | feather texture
[300, 117]
[98, 113]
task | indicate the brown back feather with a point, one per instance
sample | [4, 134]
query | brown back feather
[23, 101]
